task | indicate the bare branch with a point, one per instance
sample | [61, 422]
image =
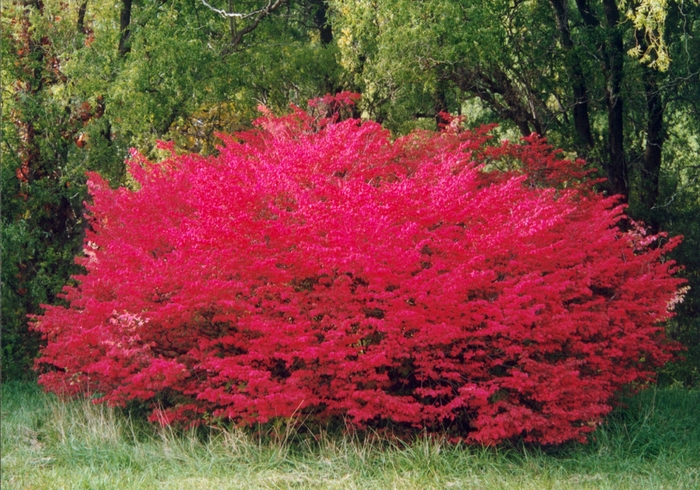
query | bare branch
[256, 15]
[263, 12]
[225, 14]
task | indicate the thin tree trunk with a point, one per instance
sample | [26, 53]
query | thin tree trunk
[440, 106]
[655, 139]
[582, 122]
[81, 17]
[232, 22]
[617, 165]
[124, 30]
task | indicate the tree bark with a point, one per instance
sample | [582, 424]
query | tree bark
[440, 106]
[649, 194]
[582, 122]
[232, 22]
[81, 17]
[32, 62]
[617, 164]
[321, 20]
[124, 29]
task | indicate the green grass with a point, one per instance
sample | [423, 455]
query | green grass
[654, 443]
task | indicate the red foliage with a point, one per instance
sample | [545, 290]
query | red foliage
[318, 267]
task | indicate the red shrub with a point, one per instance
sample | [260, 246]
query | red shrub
[318, 267]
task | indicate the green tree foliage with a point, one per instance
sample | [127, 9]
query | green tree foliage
[41, 224]
[615, 82]
[83, 81]
[559, 68]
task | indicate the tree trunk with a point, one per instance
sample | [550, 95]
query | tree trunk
[81, 17]
[440, 106]
[321, 21]
[649, 194]
[617, 165]
[124, 30]
[582, 122]
[232, 22]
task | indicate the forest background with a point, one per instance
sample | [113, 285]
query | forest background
[614, 82]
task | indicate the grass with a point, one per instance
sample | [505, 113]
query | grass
[653, 443]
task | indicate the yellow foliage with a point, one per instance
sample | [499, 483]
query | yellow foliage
[649, 17]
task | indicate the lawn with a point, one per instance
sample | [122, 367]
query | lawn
[653, 443]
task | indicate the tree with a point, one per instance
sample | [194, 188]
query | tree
[502, 54]
[41, 198]
[317, 267]
[616, 83]
[85, 81]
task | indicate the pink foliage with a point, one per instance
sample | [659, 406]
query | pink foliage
[317, 266]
